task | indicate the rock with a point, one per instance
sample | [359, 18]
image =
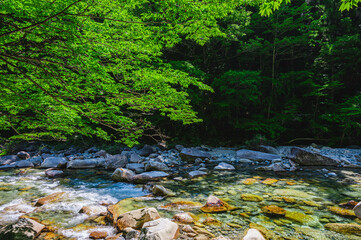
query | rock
[305, 157]
[331, 174]
[253, 234]
[224, 166]
[135, 219]
[84, 163]
[116, 161]
[132, 234]
[24, 229]
[36, 160]
[269, 181]
[256, 156]
[6, 160]
[101, 153]
[220, 238]
[135, 158]
[136, 167]
[23, 155]
[160, 229]
[51, 173]
[54, 162]
[291, 193]
[344, 228]
[267, 149]
[215, 204]
[184, 218]
[93, 150]
[251, 197]
[153, 165]
[24, 164]
[341, 211]
[49, 199]
[357, 210]
[146, 150]
[196, 173]
[123, 175]
[191, 154]
[274, 210]
[92, 210]
[277, 167]
[249, 181]
[149, 176]
[159, 190]
[98, 235]
[179, 148]
[302, 218]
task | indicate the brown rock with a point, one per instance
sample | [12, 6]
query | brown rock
[94, 210]
[98, 235]
[135, 219]
[49, 199]
[274, 210]
[214, 204]
[183, 218]
[342, 211]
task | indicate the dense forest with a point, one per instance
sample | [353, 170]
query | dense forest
[217, 72]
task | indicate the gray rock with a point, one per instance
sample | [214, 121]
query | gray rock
[51, 173]
[196, 173]
[276, 167]
[332, 174]
[24, 164]
[101, 153]
[307, 158]
[153, 165]
[116, 161]
[136, 167]
[93, 150]
[23, 155]
[256, 156]
[36, 160]
[5, 160]
[191, 154]
[123, 175]
[159, 229]
[8, 166]
[24, 229]
[149, 176]
[224, 166]
[86, 163]
[268, 149]
[135, 158]
[54, 162]
[357, 210]
[159, 190]
[146, 150]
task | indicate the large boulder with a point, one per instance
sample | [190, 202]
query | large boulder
[149, 176]
[305, 157]
[24, 164]
[116, 161]
[24, 229]
[191, 154]
[123, 175]
[54, 162]
[6, 160]
[256, 156]
[154, 165]
[85, 163]
[135, 219]
[160, 229]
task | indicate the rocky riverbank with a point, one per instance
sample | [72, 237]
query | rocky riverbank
[241, 207]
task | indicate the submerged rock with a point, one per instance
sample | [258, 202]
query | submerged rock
[224, 166]
[215, 204]
[305, 157]
[344, 228]
[251, 197]
[274, 210]
[342, 211]
[24, 229]
[191, 154]
[159, 229]
[52, 173]
[135, 219]
[253, 234]
[256, 156]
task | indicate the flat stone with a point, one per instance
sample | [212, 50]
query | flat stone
[149, 176]
[224, 166]
[196, 173]
[49, 199]
[256, 156]
[344, 228]
[251, 197]
[54, 162]
[341, 211]
[98, 235]
[84, 163]
[24, 164]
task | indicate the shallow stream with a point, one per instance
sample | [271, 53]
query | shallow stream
[309, 198]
